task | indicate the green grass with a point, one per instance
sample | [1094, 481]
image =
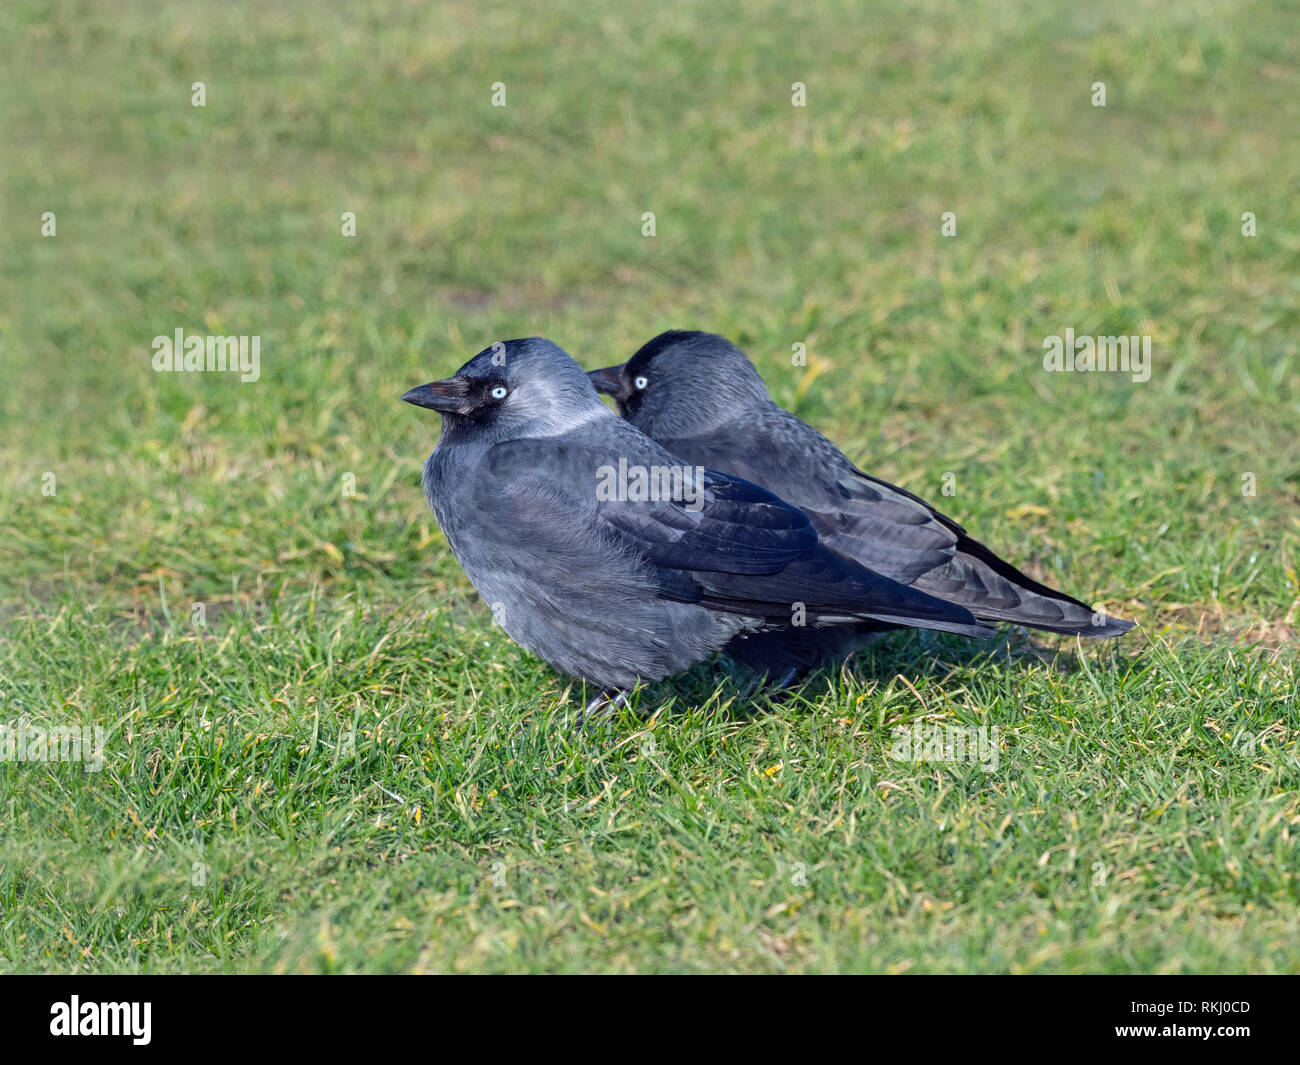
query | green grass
[350, 768]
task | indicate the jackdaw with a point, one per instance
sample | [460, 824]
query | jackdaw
[699, 396]
[556, 509]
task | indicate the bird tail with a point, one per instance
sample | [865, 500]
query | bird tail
[973, 628]
[994, 590]
[876, 598]
[833, 589]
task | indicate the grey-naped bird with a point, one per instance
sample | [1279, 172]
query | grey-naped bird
[699, 396]
[609, 590]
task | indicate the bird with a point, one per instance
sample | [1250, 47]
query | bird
[700, 396]
[607, 585]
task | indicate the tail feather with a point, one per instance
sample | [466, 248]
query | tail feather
[994, 590]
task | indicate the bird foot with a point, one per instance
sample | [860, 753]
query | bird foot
[781, 684]
[603, 705]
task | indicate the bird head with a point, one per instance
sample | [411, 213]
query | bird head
[682, 383]
[513, 389]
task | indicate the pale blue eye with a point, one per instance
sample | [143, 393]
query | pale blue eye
[640, 382]
[499, 392]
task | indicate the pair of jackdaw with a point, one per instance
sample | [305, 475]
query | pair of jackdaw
[705, 519]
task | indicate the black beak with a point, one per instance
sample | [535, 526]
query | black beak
[446, 397]
[610, 381]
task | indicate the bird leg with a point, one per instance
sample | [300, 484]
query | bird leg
[605, 703]
[779, 685]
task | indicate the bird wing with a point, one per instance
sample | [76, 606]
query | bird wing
[881, 526]
[977, 578]
[738, 549]
[887, 528]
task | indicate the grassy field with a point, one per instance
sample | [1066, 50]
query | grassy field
[321, 755]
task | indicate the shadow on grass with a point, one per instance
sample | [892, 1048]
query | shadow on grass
[723, 687]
